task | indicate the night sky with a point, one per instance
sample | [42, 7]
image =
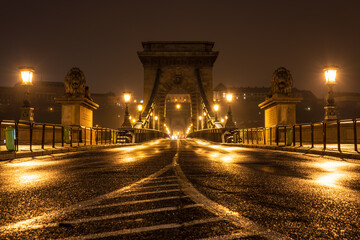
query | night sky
[253, 38]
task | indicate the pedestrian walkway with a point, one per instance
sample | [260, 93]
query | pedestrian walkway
[346, 150]
[37, 150]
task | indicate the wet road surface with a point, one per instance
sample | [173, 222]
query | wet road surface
[187, 189]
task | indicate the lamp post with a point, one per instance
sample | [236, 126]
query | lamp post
[330, 107]
[27, 112]
[200, 122]
[178, 106]
[216, 109]
[156, 123]
[140, 107]
[229, 122]
[126, 123]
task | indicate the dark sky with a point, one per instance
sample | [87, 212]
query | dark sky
[253, 38]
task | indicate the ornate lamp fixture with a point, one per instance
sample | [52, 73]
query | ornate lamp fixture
[27, 112]
[229, 122]
[126, 123]
[330, 107]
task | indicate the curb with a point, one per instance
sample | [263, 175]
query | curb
[301, 150]
[14, 155]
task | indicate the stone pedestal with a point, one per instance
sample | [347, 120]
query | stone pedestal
[280, 111]
[77, 111]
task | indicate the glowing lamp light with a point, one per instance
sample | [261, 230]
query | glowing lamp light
[178, 106]
[330, 74]
[156, 117]
[229, 97]
[127, 97]
[200, 117]
[222, 120]
[133, 120]
[204, 113]
[140, 107]
[26, 74]
[216, 107]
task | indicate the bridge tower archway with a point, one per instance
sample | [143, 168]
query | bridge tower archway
[184, 65]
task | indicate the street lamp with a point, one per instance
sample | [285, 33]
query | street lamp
[27, 112]
[156, 123]
[126, 123]
[200, 122]
[229, 122]
[140, 107]
[330, 107]
[178, 106]
[216, 109]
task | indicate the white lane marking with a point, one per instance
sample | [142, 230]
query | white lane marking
[150, 192]
[162, 185]
[134, 202]
[39, 221]
[218, 209]
[162, 181]
[127, 214]
[144, 229]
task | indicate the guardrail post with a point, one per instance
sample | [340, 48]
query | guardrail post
[300, 135]
[355, 135]
[90, 135]
[285, 135]
[293, 133]
[79, 133]
[71, 136]
[277, 135]
[62, 136]
[264, 134]
[252, 138]
[270, 135]
[312, 135]
[53, 143]
[324, 135]
[43, 136]
[85, 136]
[31, 132]
[338, 135]
[16, 136]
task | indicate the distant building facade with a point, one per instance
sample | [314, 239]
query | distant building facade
[246, 112]
[42, 94]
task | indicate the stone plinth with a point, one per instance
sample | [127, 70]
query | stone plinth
[77, 111]
[280, 111]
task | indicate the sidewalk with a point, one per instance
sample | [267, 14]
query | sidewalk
[24, 150]
[347, 150]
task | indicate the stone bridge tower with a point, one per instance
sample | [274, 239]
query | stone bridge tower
[176, 64]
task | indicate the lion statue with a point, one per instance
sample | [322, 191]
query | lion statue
[281, 83]
[75, 83]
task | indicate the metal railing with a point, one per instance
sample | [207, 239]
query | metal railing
[335, 135]
[36, 136]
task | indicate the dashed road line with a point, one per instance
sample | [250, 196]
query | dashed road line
[134, 202]
[127, 214]
[151, 192]
[144, 229]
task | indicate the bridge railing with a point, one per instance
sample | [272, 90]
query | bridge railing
[340, 135]
[20, 135]
[335, 135]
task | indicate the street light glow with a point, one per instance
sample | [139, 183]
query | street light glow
[229, 97]
[156, 117]
[216, 107]
[127, 97]
[26, 74]
[330, 74]
[200, 117]
[140, 107]
[178, 106]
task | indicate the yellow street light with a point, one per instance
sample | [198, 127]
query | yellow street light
[330, 108]
[127, 97]
[140, 107]
[330, 74]
[178, 106]
[216, 108]
[26, 74]
[229, 97]
[200, 117]
[156, 117]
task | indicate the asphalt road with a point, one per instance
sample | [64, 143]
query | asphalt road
[185, 189]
